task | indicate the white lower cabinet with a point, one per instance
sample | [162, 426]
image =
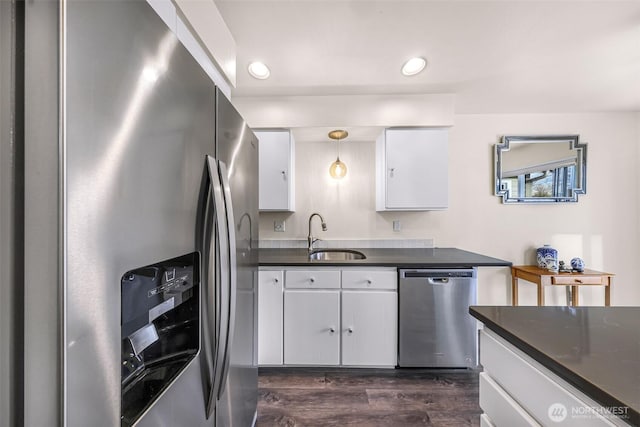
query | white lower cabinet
[516, 390]
[270, 306]
[312, 327]
[326, 316]
[369, 328]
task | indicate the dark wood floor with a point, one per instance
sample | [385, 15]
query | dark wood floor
[367, 397]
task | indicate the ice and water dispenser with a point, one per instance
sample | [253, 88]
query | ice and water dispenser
[160, 329]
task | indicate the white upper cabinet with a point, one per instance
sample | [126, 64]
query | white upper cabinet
[276, 169]
[412, 169]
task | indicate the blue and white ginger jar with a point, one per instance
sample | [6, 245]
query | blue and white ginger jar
[547, 257]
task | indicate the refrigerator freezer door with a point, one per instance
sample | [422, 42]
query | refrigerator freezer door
[138, 121]
[118, 118]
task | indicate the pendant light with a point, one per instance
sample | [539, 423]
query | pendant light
[338, 169]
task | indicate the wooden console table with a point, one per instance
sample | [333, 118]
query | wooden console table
[543, 277]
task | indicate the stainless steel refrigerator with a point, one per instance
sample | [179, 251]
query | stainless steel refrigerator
[128, 225]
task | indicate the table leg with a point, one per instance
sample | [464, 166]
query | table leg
[574, 296]
[607, 293]
[514, 289]
[540, 295]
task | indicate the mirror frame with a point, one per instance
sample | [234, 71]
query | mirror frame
[581, 167]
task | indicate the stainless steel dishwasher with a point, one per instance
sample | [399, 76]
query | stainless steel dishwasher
[436, 329]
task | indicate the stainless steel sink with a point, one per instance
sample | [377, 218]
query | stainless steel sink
[335, 255]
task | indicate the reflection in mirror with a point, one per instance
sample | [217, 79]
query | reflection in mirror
[540, 169]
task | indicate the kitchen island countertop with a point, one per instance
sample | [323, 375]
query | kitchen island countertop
[386, 257]
[595, 349]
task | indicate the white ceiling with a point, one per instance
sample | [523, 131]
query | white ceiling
[496, 57]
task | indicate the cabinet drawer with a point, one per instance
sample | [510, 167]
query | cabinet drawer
[312, 279]
[577, 280]
[531, 386]
[363, 279]
[500, 407]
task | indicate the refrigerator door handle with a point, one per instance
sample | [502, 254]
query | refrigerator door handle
[220, 285]
[233, 274]
[208, 307]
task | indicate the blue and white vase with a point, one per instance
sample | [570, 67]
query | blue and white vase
[577, 264]
[547, 257]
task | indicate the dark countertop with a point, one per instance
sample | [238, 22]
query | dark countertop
[401, 258]
[595, 349]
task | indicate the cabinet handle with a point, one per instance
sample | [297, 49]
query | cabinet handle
[275, 280]
[350, 329]
[391, 172]
[284, 175]
[578, 281]
[332, 329]
[369, 281]
[312, 280]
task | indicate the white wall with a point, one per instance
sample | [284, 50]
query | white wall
[602, 228]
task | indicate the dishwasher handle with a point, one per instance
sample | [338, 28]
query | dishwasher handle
[434, 276]
[438, 280]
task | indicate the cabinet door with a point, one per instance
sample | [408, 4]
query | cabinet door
[276, 170]
[369, 328]
[416, 169]
[312, 327]
[270, 306]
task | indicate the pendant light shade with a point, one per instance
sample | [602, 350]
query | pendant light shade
[338, 169]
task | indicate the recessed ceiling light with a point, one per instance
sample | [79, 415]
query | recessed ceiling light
[413, 66]
[259, 70]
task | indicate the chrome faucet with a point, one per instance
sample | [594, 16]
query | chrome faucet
[310, 239]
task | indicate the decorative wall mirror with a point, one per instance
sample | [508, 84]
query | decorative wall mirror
[540, 169]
